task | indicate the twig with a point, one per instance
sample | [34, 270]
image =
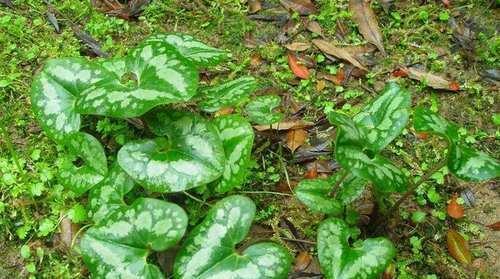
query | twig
[196, 199]
[266, 193]
[299, 240]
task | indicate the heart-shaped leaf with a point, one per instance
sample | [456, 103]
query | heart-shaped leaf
[209, 250]
[107, 196]
[55, 90]
[384, 119]
[316, 193]
[237, 139]
[228, 94]
[194, 50]
[89, 149]
[190, 155]
[464, 162]
[338, 260]
[260, 110]
[352, 154]
[157, 75]
[119, 246]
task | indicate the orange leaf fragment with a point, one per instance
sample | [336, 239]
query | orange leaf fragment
[295, 138]
[298, 70]
[399, 73]
[454, 86]
[458, 247]
[422, 135]
[302, 261]
[494, 226]
[454, 209]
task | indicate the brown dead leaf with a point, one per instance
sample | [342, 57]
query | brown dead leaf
[364, 16]
[224, 111]
[298, 46]
[303, 7]
[302, 261]
[338, 52]
[337, 79]
[314, 27]
[494, 226]
[458, 247]
[360, 49]
[432, 80]
[454, 209]
[68, 231]
[298, 69]
[390, 272]
[283, 126]
[311, 172]
[255, 60]
[132, 9]
[320, 85]
[295, 138]
[254, 6]
[422, 135]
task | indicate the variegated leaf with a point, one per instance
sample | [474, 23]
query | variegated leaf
[89, 149]
[228, 94]
[209, 250]
[190, 155]
[464, 162]
[107, 196]
[339, 260]
[55, 89]
[192, 49]
[119, 246]
[237, 139]
[162, 76]
[316, 193]
[261, 110]
[384, 119]
[382, 172]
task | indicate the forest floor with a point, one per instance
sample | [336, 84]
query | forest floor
[454, 40]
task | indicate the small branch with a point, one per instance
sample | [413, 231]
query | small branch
[299, 240]
[266, 193]
[196, 199]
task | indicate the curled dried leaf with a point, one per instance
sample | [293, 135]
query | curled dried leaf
[364, 16]
[338, 52]
[298, 46]
[432, 80]
[458, 247]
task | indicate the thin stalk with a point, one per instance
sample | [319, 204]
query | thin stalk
[196, 199]
[337, 184]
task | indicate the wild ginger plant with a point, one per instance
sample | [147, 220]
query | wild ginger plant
[188, 150]
[358, 147]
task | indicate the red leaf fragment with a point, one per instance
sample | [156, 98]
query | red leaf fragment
[494, 226]
[298, 70]
[454, 209]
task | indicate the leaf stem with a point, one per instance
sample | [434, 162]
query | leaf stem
[337, 184]
[196, 199]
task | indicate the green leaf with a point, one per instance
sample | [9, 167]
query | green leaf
[385, 118]
[350, 189]
[192, 49]
[107, 196]
[190, 155]
[228, 94]
[338, 260]
[119, 246]
[55, 90]
[237, 139]
[464, 162]
[209, 250]
[162, 76]
[261, 110]
[89, 149]
[315, 193]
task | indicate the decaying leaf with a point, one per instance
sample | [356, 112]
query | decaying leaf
[431, 80]
[314, 27]
[364, 16]
[386, 4]
[337, 79]
[338, 52]
[312, 171]
[53, 20]
[254, 6]
[295, 138]
[67, 231]
[302, 261]
[303, 7]
[283, 126]
[298, 46]
[390, 272]
[298, 70]
[458, 247]
[91, 43]
[320, 85]
[224, 111]
[454, 209]
[132, 9]
[494, 226]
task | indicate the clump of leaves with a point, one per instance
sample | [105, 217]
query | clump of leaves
[358, 147]
[188, 150]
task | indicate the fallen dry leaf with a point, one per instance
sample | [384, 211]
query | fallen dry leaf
[68, 231]
[390, 272]
[432, 80]
[298, 70]
[454, 209]
[224, 111]
[298, 46]
[132, 9]
[422, 135]
[283, 126]
[364, 16]
[314, 27]
[311, 173]
[303, 7]
[254, 6]
[295, 138]
[320, 85]
[302, 261]
[255, 60]
[446, 3]
[458, 247]
[337, 79]
[494, 226]
[399, 73]
[338, 52]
